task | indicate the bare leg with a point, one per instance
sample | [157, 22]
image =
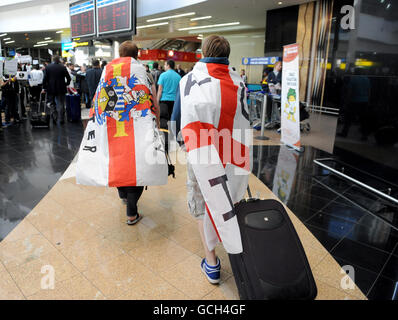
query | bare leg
[210, 255]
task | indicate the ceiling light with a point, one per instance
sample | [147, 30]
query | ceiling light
[40, 42]
[210, 26]
[153, 25]
[3, 35]
[40, 45]
[172, 17]
[48, 38]
[280, 2]
[60, 31]
[388, 6]
[6, 39]
[201, 18]
[9, 42]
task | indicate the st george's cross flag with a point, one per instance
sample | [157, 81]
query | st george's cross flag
[122, 145]
[217, 136]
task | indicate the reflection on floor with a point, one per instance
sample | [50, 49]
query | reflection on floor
[31, 162]
[344, 218]
[321, 135]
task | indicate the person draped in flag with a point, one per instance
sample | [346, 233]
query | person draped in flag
[211, 110]
[122, 146]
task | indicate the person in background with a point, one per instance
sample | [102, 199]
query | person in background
[264, 81]
[81, 76]
[168, 84]
[72, 74]
[103, 64]
[155, 72]
[10, 89]
[274, 85]
[55, 81]
[275, 76]
[180, 71]
[93, 77]
[36, 82]
[243, 76]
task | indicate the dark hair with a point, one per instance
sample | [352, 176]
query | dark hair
[56, 59]
[155, 65]
[128, 49]
[216, 46]
[104, 63]
[96, 63]
[171, 64]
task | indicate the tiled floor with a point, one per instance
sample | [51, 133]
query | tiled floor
[80, 231]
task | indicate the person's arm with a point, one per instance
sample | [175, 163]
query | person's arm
[176, 115]
[45, 80]
[160, 87]
[67, 76]
[156, 104]
[160, 90]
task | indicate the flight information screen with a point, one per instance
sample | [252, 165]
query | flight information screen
[82, 18]
[114, 16]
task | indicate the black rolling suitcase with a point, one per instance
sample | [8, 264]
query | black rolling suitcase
[273, 265]
[39, 114]
[73, 107]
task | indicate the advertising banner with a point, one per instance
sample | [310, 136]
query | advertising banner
[1, 68]
[290, 100]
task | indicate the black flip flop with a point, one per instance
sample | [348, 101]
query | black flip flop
[133, 222]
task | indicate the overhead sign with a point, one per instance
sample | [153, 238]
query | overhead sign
[290, 100]
[80, 44]
[67, 46]
[82, 18]
[260, 60]
[115, 16]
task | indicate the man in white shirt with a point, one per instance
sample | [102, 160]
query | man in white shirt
[35, 82]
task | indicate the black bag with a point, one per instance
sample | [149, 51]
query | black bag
[73, 108]
[39, 114]
[273, 264]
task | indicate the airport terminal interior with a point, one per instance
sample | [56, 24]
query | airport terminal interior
[338, 182]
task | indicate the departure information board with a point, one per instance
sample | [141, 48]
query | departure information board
[114, 16]
[82, 18]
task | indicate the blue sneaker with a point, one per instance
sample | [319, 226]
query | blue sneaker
[212, 272]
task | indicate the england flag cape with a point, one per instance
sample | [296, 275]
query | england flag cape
[122, 145]
[217, 136]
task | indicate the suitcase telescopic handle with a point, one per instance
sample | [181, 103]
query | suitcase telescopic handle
[249, 192]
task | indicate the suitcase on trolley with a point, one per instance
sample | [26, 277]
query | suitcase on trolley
[273, 264]
[73, 107]
[39, 115]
